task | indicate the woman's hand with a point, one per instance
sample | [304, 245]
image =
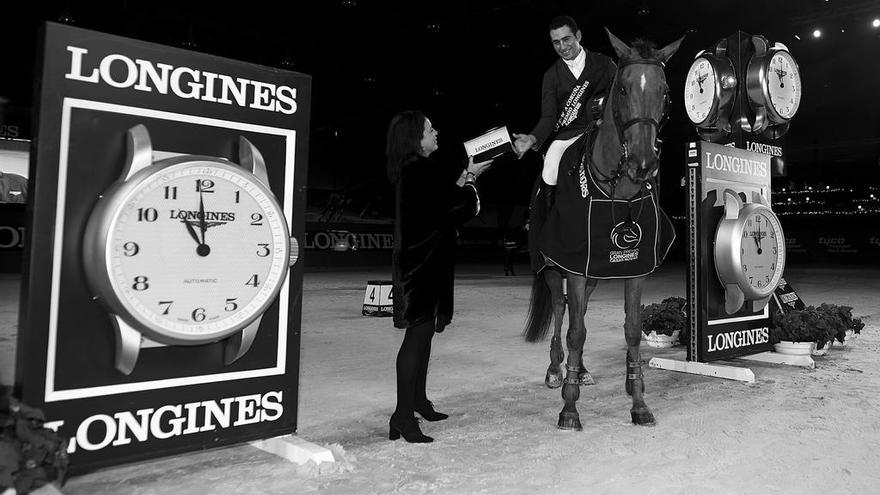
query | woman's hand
[478, 168]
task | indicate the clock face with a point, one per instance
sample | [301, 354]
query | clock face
[196, 250]
[784, 84]
[762, 251]
[699, 90]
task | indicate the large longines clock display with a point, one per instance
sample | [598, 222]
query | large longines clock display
[749, 251]
[773, 82]
[709, 91]
[186, 250]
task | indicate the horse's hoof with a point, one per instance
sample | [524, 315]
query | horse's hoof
[553, 380]
[586, 378]
[569, 421]
[642, 416]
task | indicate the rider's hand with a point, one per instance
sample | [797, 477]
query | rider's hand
[523, 143]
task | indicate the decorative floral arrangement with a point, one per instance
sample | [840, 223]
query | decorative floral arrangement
[820, 324]
[665, 317]
[30, 455]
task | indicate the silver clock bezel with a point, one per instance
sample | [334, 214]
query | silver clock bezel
[758, 87]
[723, 94]
[728, 254]
[96, 251]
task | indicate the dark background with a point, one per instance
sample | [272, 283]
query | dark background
[474, 64]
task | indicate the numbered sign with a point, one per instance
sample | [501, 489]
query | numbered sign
[378, 298]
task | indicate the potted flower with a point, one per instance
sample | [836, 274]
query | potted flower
[843, 321]
[663, 322]
[805, 330]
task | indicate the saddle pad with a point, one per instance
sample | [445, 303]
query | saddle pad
[618, 247]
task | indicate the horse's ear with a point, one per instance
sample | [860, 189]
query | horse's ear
[621, 48]
[669, 50]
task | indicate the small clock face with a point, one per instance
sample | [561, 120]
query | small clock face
[699, 90]
[762, 250]
[784, 84]
[197, 250]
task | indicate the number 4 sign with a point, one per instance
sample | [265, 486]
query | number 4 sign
[378, 298]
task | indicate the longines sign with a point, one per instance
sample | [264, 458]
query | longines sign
[715, 334]
[117, 70]
[94, 88]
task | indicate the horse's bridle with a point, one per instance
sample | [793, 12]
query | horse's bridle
[618, 91]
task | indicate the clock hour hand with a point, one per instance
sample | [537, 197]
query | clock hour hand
[758, 240]
[780, 74]
[192, 231]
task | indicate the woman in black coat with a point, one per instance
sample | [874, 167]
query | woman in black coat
[429, 206]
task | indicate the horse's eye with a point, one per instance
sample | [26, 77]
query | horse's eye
[622, 90]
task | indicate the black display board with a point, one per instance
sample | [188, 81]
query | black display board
[712, 168]
[93, 87]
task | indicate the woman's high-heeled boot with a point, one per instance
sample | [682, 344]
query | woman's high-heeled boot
[409, 429]
[427, 411]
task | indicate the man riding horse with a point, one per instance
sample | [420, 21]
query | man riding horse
[595, 212]
[572, 92]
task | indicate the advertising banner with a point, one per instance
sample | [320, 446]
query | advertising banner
[715, 333]
[160, 312]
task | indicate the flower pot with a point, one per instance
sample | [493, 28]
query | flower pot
[794, 348]
[662, 341]
[824, 350]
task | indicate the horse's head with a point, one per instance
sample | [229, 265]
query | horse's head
[639, 102]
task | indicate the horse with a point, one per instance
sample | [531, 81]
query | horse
[623, 162]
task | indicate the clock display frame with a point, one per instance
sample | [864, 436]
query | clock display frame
[780, 113]
[759, 84]
[103, 251]
[722, 90]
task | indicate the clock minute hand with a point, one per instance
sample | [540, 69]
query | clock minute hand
[203, 227]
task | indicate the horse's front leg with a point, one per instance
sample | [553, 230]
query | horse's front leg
[635, 384]
[555, 281]
[578, 294]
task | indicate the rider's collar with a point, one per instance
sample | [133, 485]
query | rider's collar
[577, 65]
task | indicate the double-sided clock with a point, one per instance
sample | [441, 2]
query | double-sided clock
[187, 250]
[710, 88]
[749, 251]
[773, 83]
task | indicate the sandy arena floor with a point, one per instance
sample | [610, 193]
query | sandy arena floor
[794, 430]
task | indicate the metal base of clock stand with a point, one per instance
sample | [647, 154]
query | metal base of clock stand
[731, 372]
[777, 358]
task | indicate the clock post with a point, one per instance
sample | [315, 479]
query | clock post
[740, 95]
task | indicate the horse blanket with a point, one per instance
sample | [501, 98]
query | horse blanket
[586, 232]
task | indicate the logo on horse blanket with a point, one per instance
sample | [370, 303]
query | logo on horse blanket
[629, 248]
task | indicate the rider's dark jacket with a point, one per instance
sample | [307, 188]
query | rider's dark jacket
[559, 86]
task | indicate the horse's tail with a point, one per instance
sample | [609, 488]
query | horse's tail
[540, 310]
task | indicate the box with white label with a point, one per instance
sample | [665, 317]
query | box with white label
[492, 144]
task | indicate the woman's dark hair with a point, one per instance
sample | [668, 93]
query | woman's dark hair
[404, 141]
[562, 21]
